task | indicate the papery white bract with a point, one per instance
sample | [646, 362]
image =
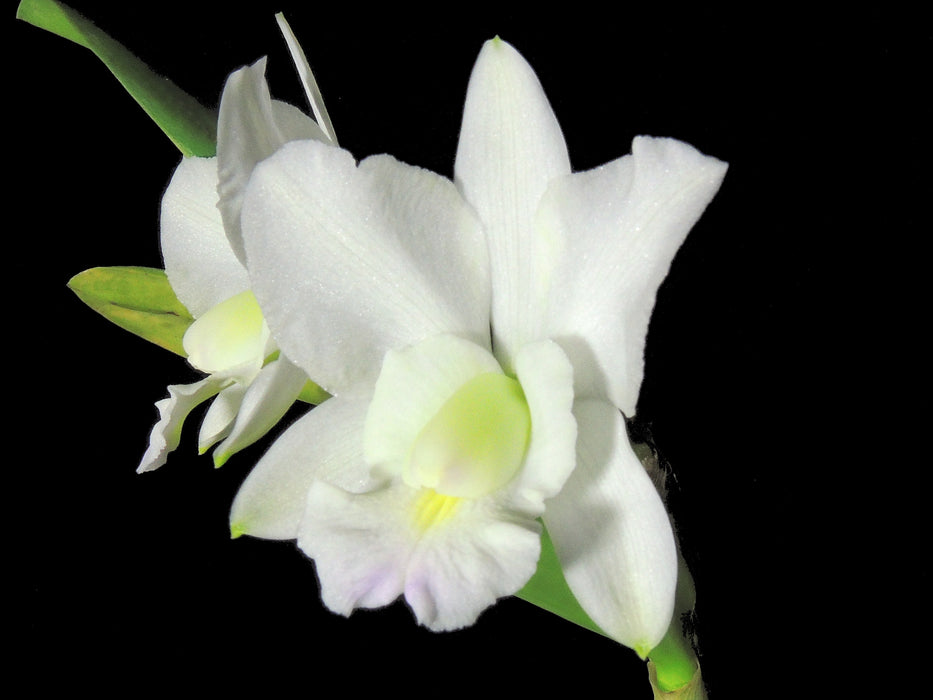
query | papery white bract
[229, 341]
[381, 283]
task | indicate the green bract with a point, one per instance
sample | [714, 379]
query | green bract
[138, 299]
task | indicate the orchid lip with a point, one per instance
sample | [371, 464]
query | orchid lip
[476, 442]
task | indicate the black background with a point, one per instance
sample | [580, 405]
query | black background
[759, 349]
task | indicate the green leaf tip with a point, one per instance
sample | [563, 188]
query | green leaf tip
[138, 299]
[188, 124]
[237, 530]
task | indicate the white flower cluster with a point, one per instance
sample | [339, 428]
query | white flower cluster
[482, 340]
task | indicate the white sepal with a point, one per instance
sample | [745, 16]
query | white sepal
[510, 149]
[612, 534]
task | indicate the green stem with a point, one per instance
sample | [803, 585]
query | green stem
[673, 668]
[674, 660]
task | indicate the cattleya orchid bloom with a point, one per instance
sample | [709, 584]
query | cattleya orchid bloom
[482, 340]
[253, 382]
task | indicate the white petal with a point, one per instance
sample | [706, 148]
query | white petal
[350, 262]
[612, 534]
[368, 550]
[510, 148]
[166, 433]
[200, 264]
[360, 559]
[219, 418]
[269, 396]
[326, 443]
[619, 227]
[459, 571]
[547, 380]
[250, 127]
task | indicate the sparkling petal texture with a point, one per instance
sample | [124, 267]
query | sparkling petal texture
[618, 228]
[612, 533]
[361, 246]
[510, 149]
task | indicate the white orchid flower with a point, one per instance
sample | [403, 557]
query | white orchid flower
[229, 341]
[482, 341]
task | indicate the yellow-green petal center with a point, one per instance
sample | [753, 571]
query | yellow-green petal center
[228, 335]
[476, 442]
[433, 508]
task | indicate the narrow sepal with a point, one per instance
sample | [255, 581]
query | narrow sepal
[612, 534]
[510, 149]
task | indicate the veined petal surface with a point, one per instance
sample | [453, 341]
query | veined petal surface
[510, 148]
[200, 265]
[612, 534]
[618, 228]
[384, 254]
[250, 128]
